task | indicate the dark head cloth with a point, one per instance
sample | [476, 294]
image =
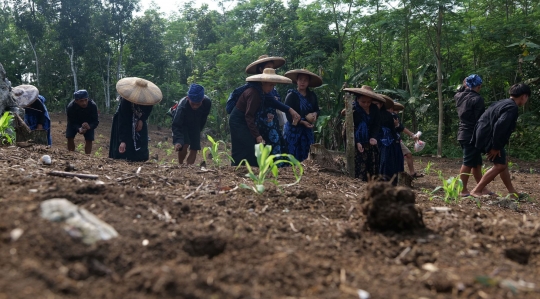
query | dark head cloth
[473, 81]
[80, 94]
[196, 93]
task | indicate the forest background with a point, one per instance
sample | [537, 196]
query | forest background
[417, 51]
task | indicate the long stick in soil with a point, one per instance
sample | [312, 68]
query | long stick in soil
[71, 174]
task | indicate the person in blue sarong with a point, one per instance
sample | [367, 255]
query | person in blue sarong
[36, 115]
[391, 155]
[300, 137]
[366, 116]
[249, 121]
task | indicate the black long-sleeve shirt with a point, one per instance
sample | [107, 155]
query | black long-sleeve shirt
[470, 106]
[292, 100]
[125, 118]
[374, 124]
[495, 126]
[76, 115]
[186, 118]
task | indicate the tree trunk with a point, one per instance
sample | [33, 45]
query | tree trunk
[439, 83]
[349, 123]
[73, 69]
[108, 88]
[35, 56]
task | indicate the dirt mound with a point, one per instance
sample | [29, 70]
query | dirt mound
[390, 208]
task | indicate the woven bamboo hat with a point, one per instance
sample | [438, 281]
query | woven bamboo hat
[269, 75]
[252, 67]
[25, 95]
[314, 80]
[139, 91]
[389, 103]
[398, 107]
[366, 91]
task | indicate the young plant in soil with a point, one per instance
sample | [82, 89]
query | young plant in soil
[269, 164]
[452, 188]
[427, 170]
[7, 134]
[214, 151]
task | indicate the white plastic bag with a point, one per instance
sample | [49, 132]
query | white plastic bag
[419, 145]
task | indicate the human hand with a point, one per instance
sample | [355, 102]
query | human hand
[85, 126]
[306, 124]
[82, 131]
[178, 147]
[415, 137]
[295, 116]
[311, 117]
[260, 140]
[139, 126]
[373, 141]
[359, 147]
[122, 147]
[493, 153]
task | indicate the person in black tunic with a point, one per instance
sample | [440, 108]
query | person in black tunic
[299, 138]
[391, 156]
[492, 133]
[188, 122]
[82, 118]
[367, 124]
[470, 106]
[129, 132]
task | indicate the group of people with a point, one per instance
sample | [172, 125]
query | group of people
[487, 132]
[257, 115]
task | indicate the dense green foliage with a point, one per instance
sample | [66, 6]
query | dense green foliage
[419, 51]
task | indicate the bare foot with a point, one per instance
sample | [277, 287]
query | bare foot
[487, 192]
[476, 194]
[464, 193]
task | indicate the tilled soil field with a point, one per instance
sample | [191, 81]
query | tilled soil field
[184, 233]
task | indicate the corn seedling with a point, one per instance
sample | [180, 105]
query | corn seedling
[7, 135]
[169, 151]
[98, 152]
[484, 169]
[214, 151]
[531, 170]
[269, 164]
[80, 148]
[427, 170]
[452, 188]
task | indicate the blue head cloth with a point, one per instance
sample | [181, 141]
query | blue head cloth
[196, 93]
[80, 94]
[42, 98]
[473, 81]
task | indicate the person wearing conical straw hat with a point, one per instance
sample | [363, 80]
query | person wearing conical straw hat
[249, 120]
[300, 137]
[367, 124]
[188, 122]
[82, 118]
[129, 133]
[407, 155]
[36, 115]
[391, 156]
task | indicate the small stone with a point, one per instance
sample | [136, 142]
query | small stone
[145, 242]
[46, 160]
[363, 294]
[441, 209]
[16, 234]
[430, 267]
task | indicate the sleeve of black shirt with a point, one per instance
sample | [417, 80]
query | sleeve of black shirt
[72, 120]
[206, 112]
[292, 101]
[146, 111]
[178, 124]
[125, 115]
[375, 116]
[401, 127]
[479, 108]
[94, 118]
[504, 127]
[40, 111]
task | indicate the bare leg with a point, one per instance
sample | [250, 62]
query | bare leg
[182, 154]
[505, 177]
[477, 173]
[192, 156]
[71, 144]
[487, 178]
[88, 147]
[464, 174]
[410, 163]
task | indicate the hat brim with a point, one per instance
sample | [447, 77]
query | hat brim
[269, 78]
[388, 102]
[252, 67]
[139, 91]
[367, 93]
[314, 80]
[398, 107]
[25, 95]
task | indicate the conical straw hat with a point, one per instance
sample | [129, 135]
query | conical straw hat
[398, 106]
[269, 75]
[25, 95]
[389, 103]
[139, 91]
[252, 67]
[314, 80]
[366, 91]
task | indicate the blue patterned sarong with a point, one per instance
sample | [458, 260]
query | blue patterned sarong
[299, 138]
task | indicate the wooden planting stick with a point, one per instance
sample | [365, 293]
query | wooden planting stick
[71, 174]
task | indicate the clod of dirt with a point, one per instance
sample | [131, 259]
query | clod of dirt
[303, 194]
[205, 245]
[519, 255]
[507, 203]
[439, 282]
[390, 208]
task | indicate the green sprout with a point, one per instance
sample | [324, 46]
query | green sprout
[7, 135]
[214, 151]
[452, 188]
[427, 170]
